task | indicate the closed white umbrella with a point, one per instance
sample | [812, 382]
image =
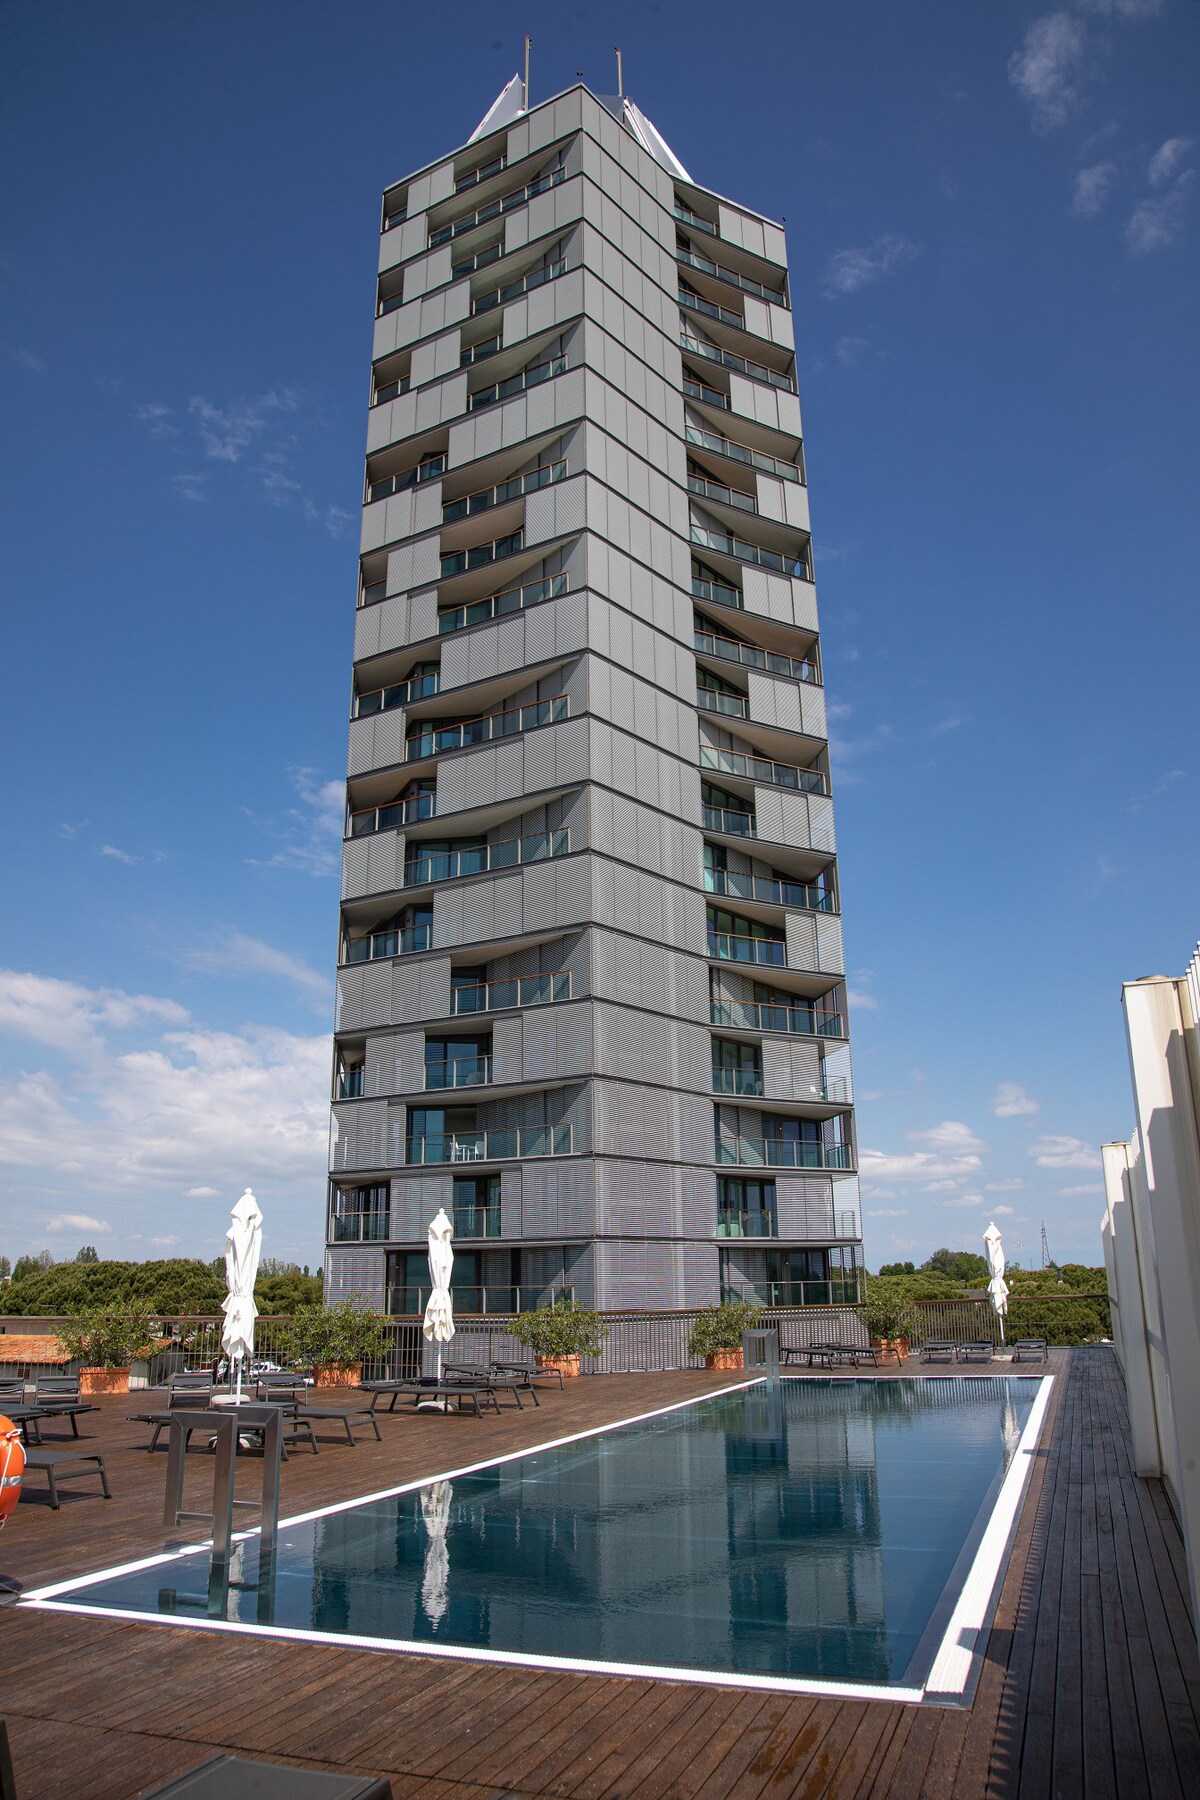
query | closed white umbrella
[435, 1511]
[243, 1248]
[438, 1325]
[997, 1286]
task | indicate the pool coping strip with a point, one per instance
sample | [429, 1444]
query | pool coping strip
[971, 1616]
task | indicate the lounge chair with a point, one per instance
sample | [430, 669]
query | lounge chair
[979, 1350]
[47, 1388]
[1029, 1350]
[937, 1350]
[56, 1465]
[532, 1371]
[294, 1391]
[12, 1387]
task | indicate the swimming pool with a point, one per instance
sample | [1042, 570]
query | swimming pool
[843, 1536]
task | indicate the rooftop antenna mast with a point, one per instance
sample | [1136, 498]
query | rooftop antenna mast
[620, 76]
[525, 82]
[1045, 1247]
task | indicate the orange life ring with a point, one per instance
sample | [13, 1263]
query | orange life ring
[12, 1466]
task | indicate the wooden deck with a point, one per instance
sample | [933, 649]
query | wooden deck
[1091, 1685]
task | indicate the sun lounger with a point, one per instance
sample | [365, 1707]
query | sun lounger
[809, 1354]
[530, 1371]
[438, 1391]
[1029, 1350]
[937, 1350]
[236, 1778]
[57, 1465]
[980, 1350]
[491, 1377]
[50, 1388]
[12, 1387]
[296, 1393]
[31, 1418]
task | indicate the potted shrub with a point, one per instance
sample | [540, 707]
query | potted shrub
[335, 1341]
[560, 1335]
[105, 1341]
[716, 1334]
[888, 1324]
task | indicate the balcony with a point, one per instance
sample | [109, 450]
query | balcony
[692, 260]
[496, 606]
[476, 1222]
[391, 390]
[392, 817]
[724, 496]
[516, 384]
[495, 209]
[772, 891]
[359, 1227]
[686, 216]
[481, 260]
[352, 1083]
[710, 311]
[482, 173]
[740, 365]
[733, 824]
[749, 656]
[755, 459]
[516, 1144]
[747, 1082]
[734, 706]
[757, 1224]
[380, 944]
[795, 567]
[782, 1153]
[717, 593]
[696, 390]
[797, 1021]
[440, 738]
[515, 489]
[524, 990]
[513, 290]
[476, 353]
[493, 1300]
[417, 687]
[448, 865]
[841, 1290]
[762, 768]
[727, 947]
[480, 555]
[430, 470]
[459, 1072]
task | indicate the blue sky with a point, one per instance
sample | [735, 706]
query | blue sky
[993, 223]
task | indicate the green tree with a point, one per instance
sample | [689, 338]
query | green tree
[5, 1268]
[963, 1266]
[88, 1254]
[898, 1268]
[25, 1265]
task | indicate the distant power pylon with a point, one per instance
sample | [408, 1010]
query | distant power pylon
[1045, 1247]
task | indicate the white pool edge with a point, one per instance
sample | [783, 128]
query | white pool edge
[952, 1676]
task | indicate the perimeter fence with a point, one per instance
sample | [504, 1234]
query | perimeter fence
[1062, 1319]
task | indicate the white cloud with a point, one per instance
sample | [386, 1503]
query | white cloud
[242, 955]
[1167, 160]
[312, 831]
[951, 1135]
[158, 419]
[1010, 1101]
[166, 1243]
[1004, 1212]
[858, 265]
[1046, 71]
[29, 359]
[69, 1017]
[918, 1165]
[121, 856]
[1086, 1187]
[1091, 189]
[227, 431]
[201, 1193]
[1155, 223]
[861, 1000]
[889, 1212]
[1131, 10]
[191, 487]
[1008, 1186]
[1052, 1152]
[75, 1222]
[967, 1200]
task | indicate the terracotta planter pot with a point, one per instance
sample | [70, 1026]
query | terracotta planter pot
[567, 1366]
[104, 1381]
[725, 1360]
[897, 1347]
[327, 1375]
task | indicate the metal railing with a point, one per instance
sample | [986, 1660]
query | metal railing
[396, 814]
[757, 459]
[478, 556]
[687, 217]
[477, 1222]
[734, 706]
[391, 390]
[417, 687]
[1059, 1318]
[733, 947]
[773, 892]
[516, 384]
[729, 820]
[481, 1315]
[737, 1081]
[379, 944]
[711, 310]
[513, 290]
[793, 567]
[448, 865]
[509, 600]
[495, 209]
[514, 489]
[476, 353]
[696, 390]
[481, 730]
[431, 469]
[711, 643]
[370, 1227]
[763, 768]
[352, 1083]
[522, 990]
[692, 260]
[459, 1071]
[470, 265]
[717, 593]
[782, 1153]
[482, 173]
[755, 1015]
[741, 365]
[754, 1224]
[514, 1144]
[719, 491]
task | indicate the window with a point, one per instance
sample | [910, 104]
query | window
[476, 1206]
[359, 1214]
[457, 1062]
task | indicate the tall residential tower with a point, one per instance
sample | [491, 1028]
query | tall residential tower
[591, 977]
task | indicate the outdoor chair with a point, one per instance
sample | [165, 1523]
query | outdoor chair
[183, 1395]
[491, 1378]
[293, 1391]
[812, 1354]
[191, 1381]
[1029, 1350]
[55, 1387]
[57, 1465]
[937, 1350]
[12, 1387]
[980, 1350]
[531, 1371]
[237, 1778]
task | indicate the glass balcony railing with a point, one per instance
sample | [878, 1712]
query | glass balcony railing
[842, 1290]
[696, 390]
[494, 209]
[738, 1081]
[753, 1015]
[482, 173]
[793, 566]
[476, 353]
[439, 738]
[390, 303]
[513, 290]
[711, 311]
[447, 865]
[733, 824]
[358, 1227]
[391, 390]
[352, 1084]
[396, 218]
[459, 1071]
[380, 944]
[731, 947]
[515, 1144]
[481, 260]
[740, 365]
[496, 606]
[687, 217]
[516, 384]
[782, 1153]
[480, 555]
[755, 459]
[734, 706]
[693, 260]
[417, 687]
[515, 489]
[477, 1222]
[710, 643]
[718, 593]
[761, 768]
[725, 496]
[394, 816]
[493, 1300]
[523, 990]
[773, 891]
[429, 470]
[755, 1224]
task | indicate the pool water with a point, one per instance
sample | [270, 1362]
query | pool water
[808, 1529]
